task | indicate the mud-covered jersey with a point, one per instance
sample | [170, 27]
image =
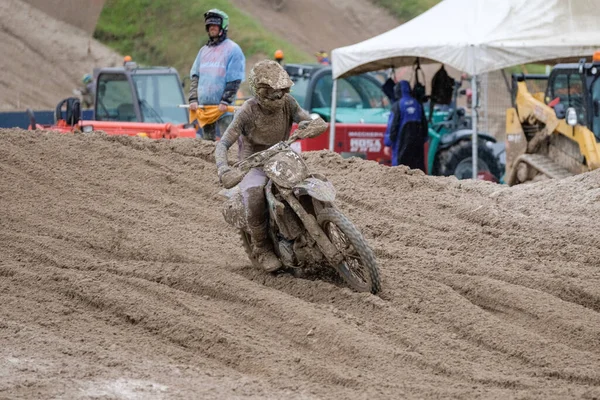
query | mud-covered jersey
[215, 66]
[256, 130]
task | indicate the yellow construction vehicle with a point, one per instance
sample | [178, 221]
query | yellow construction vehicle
[554, 133]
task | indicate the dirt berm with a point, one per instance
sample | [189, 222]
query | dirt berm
[42, 59]
[119, 279]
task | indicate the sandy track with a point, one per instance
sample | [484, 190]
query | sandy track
[119, 278]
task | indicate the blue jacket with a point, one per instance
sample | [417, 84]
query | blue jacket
[405, 110]
[215, 66]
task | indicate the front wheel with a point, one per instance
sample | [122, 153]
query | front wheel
[359, 267]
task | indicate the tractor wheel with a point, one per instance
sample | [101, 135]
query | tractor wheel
[457, 160]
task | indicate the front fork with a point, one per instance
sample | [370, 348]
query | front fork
[312, 226]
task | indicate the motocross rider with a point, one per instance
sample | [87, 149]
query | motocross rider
[262, 121]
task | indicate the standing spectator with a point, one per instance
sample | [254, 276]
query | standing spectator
[322, 57]
[406, 132]
[87, 92]
[217, 73]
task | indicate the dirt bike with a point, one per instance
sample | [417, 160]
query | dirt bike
[306, 228]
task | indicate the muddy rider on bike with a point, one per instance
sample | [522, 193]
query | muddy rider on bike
[262, 121]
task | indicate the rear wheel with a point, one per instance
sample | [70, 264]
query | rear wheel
[359, 268]
[457, 160]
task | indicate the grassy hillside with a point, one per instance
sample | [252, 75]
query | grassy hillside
[406, 9]
[170, 32]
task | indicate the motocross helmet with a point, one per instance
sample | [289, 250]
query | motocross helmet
[87, 78]
[216, 17]
[269, 82]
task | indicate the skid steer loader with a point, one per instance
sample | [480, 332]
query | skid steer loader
[554, 132]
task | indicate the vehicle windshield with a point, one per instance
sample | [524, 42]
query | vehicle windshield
[359, 98]
[357, 92]
[160, 95]
[569, 89]
[114, 101]
[596, 108]
[298, 91]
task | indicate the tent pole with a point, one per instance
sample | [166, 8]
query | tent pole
[474, 140]
[332, 119]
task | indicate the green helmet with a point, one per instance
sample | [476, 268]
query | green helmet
[216, 17]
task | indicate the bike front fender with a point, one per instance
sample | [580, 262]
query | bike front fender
[319, 189]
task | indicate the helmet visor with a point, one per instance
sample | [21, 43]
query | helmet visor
[213, 20]
[270, 93]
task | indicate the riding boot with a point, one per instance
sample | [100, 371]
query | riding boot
[263, 248]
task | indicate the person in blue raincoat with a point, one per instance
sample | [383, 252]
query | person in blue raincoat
[217, 72]
[406, 132]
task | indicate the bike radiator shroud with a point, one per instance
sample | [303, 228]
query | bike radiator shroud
[283, 217]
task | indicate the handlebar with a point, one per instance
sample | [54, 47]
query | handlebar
[311, 129]
[210, 107]
[259, 158]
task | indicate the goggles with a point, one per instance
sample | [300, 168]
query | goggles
[270, 93]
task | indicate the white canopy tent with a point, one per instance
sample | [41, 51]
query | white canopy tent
[478, 36]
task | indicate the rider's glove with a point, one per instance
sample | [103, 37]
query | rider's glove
[312, 128]
[303, 124]
[221, 170]
[230, 177]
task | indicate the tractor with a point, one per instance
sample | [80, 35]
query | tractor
[553, 132]
[129, 100]
[449, 148]
[362, 114]
[131, 93]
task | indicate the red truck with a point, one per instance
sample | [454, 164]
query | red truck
[361, 114]
[359, 140]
